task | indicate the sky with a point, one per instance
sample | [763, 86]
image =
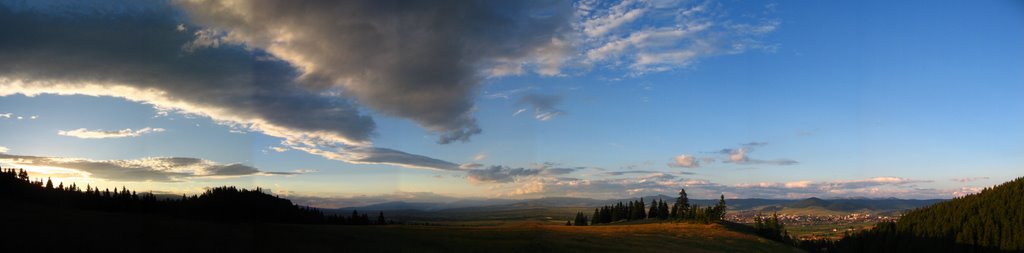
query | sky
[345, 103]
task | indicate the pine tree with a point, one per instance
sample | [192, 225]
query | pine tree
[719, 211]
[380, 219]
[581, 220]
[683, 204]
[663, 212]
[653, 212]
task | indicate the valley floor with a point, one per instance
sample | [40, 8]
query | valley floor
[44, 229]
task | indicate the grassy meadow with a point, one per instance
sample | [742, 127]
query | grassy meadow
[88, 230]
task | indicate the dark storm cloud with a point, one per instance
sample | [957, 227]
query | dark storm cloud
[142, 52]
[157, 169]
[421, 60]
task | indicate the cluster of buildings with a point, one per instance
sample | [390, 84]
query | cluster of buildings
[799, 220]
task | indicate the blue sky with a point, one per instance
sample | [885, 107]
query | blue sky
[909, 99]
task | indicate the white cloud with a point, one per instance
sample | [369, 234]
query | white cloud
[738, 155]
[685, 161]
[4, 149]
[625, 12]
[5, 115]
[103, 134]
[279, 149]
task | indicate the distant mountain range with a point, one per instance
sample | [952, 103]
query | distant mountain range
[439, 209]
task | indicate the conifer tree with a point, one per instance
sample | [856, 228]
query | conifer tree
[719, 211]
[653, 212]
[663, 212]
[683, 203]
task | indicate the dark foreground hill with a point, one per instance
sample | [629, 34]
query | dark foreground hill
[989, 221]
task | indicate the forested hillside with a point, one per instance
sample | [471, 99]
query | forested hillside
[989, 221]
[218, 204]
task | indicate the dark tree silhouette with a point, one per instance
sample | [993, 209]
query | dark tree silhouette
[217, 204]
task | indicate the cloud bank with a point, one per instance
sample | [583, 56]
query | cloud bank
[661, 183]
[505, 174]
[154, 169]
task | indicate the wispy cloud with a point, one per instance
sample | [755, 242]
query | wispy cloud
[544, 106]
[18, 117]
[467, 166]
[674, 34]
[969, 179]
[103, 134]
[740, 155]
[620, 173]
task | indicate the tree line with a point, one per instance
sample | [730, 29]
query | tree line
[226, 203]
[681, 210]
